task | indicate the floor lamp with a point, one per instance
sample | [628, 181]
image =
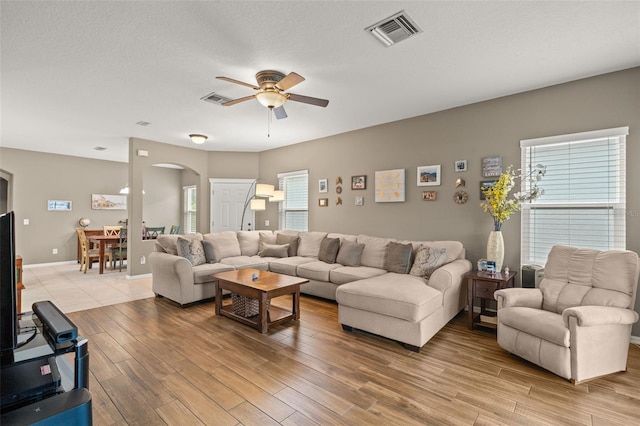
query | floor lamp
[261, 190]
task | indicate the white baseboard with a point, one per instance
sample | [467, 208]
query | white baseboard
[635, 340]
[138, 277]
[41, 265]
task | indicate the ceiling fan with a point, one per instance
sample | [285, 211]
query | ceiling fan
[271, 85]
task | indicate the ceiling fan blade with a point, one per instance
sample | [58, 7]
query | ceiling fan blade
[280, 113]
[237, 101]
[289, 81]
[242, 83]
[308, 100]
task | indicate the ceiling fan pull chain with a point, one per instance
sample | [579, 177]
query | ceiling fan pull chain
[269, 122]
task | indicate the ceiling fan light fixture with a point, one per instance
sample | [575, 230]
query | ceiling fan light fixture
[271, 98]
[198, 139]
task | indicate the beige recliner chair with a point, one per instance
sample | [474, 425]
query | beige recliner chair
[578, 323]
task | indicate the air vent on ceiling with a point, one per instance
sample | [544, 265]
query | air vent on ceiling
[394, 28]
[143, 123]
[215, 98]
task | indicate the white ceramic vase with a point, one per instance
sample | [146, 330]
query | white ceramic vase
[495, 249]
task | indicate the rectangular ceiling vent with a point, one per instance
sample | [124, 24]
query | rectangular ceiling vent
[394, 29]
[215, 98]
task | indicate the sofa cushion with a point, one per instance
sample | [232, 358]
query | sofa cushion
[350, 253]
[242, 262]
[203, 273]
[427, 260]
[346, 274]
[397, 258]
[397, 295]
[274, 250]
[225, 243]
[209, 251]
[316, 270]
[288, 265]
[329, 249]
[537, 322]
[343, 237]
[250, 241]
[374, 250]
[292, 240]
[266, 239]
[192, 250]
[310, 243]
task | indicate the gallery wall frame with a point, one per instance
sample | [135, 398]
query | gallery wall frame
[108, 202]
[323, 185]
[429, 195]
[491, 166]
[460, 165]
[428, 175]
[390, 186]
[484, 185]
[59, 205]
[323, 202]
[359, 182]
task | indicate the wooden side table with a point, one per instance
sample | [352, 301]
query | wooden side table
[482, 285]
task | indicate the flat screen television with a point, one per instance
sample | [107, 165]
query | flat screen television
[8, 311]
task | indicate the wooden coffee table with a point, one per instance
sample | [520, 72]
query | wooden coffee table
[268, 286]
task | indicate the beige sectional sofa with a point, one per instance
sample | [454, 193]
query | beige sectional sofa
[378, 286]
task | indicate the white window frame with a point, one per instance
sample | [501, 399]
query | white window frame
[283, 209]
[534, 248]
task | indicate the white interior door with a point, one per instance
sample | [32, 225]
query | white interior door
[228, 199]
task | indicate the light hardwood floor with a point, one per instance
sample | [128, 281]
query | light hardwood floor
[153, 362]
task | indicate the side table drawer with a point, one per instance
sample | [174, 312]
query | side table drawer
[485, 289]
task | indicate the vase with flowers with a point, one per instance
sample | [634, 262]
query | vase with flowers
[501, 201]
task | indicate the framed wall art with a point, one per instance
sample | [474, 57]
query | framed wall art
[492, 166]
[323, 202]
[484, 185]
[428, 175]
[359, 182]
[359, 201]
[460, 165]
[59, 206]
[108, 202]
[323, 185]
[429, 195]
[390, 186]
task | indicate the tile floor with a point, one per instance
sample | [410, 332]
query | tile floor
[71, 290]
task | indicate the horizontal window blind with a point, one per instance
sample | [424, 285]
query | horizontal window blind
[584, 201]
[294, 210]
[189, 217]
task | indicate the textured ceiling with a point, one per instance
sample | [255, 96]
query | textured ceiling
[80, 75]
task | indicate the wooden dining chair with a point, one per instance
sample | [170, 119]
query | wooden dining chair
[110, 230]
[152, 232]
[119, 252]
[175, 229]
[87, 255]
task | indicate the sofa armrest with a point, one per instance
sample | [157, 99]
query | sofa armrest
[589, 316]
[170, 269]
[524, 297]
[449, 275]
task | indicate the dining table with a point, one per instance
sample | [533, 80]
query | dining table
[102, 241]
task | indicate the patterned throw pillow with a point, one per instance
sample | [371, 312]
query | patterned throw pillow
[398, 257]
[350, 253]
[329, 250]
[192, 250]
[427, 260]
[274, 250]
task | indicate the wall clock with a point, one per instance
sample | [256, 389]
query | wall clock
[460, 197]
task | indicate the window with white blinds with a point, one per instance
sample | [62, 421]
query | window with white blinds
[294, 210]
[584, 193]
[189, 202]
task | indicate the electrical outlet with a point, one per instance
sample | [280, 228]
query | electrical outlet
[143, 260]
[26, 221]
[55, 251]
[266, 222]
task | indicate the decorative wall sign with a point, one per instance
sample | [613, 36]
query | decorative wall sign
[429, 195]
[491, 166]
[359, 182]
[460, 165]
[323, 185]
[429, 175]
[108, 202]
[390, 186]
[59, 206]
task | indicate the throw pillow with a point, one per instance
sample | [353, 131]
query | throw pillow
[350, 253]
[292, 240]
[209, 251]
[169, 243]
[274, 250]
[428, 259]
[329, 250]
[266, 239]
[398, 257]
[192, 250]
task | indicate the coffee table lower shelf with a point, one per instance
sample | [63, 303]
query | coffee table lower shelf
[275, 316]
